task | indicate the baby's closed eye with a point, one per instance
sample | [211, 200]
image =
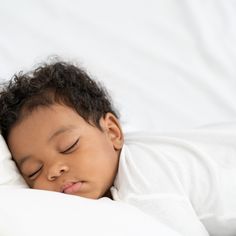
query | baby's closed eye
[35, 173]
[71, 148]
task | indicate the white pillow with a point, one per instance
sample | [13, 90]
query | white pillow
[36, 212]
[9, 174]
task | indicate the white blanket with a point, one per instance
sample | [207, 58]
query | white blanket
[35, 212]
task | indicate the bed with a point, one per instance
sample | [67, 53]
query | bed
[169, 66]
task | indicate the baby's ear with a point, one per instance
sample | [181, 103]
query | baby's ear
[112, 127]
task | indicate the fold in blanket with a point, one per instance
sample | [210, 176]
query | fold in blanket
[186, 180]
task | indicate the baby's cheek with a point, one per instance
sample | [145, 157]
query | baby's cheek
[27, 181]
[38, 183]
[42, 184]
[32, 184]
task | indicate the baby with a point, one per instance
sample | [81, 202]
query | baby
[65, 136]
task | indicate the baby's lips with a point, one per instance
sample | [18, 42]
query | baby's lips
[71, 187]
[66, 185]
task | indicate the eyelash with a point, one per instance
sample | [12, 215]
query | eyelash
[71, 147]
[31, 175]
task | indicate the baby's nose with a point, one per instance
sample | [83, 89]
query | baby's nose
[57, 170]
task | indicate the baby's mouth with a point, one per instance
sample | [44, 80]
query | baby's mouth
[72, 187]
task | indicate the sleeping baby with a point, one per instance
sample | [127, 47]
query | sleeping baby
[65, 136]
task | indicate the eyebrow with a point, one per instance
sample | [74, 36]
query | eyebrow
[60, 131]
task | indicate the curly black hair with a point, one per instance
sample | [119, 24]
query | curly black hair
[51, 83]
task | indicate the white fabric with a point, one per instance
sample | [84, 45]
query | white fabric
[35, 212]
[183, 179]
[9, 175]
[172, 61]
[169, 61]
[169, 65]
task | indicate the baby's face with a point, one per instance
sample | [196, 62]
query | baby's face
[56, 149]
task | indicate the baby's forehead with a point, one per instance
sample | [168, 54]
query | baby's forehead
[48, 121]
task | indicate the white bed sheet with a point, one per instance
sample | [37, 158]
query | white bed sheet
[169, 64]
